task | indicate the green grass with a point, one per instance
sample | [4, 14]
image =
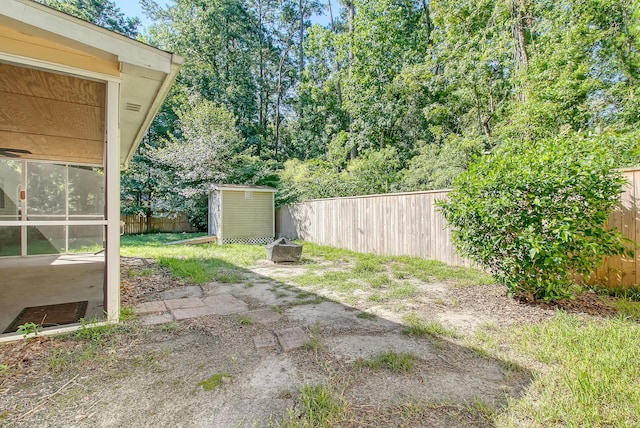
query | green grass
[320, 406]
[416, 327]
[392, 361]
[214, 381]
[593, 375]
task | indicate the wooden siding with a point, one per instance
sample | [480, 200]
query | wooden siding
[244, 218]
[54, 116]
[134, 224]
[410, 224]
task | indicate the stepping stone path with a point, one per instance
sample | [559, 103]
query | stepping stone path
[191, 306]
[291, 338]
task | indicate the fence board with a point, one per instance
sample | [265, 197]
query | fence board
[134, 224]
[410, 224]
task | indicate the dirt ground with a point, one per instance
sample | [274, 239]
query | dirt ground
[165, 375]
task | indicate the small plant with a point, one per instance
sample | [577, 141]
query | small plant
[365, 315]
[4, 368]
[245, 320]
[248, 284]
[29, 328]
[277, 309]
[315, 343]
[215, 381]
[127, 314]
[392, 361]
[418, 328]
[172, 326]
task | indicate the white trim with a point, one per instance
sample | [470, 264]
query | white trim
[221, 223]
[112, 168]
[12, 337]
[81, 34]
[54, 223]
[273, 214]
[52, 66]
[176, 64]
[246, 189]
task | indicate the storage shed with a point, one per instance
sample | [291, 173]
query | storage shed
[240, 214]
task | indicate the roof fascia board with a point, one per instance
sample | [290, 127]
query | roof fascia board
[246, 189]
[86, 34]
[51, 66]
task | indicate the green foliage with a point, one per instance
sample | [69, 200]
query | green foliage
[101, 12]
[214, 381]
[29, 328]
[392, 361]
[534, 214]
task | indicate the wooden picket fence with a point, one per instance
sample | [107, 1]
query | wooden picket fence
[410, 224]
[134, 224]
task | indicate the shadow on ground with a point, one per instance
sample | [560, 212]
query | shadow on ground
[215, 355]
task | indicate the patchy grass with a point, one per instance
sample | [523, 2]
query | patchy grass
[320, 406]
[417, 327]
[392, 361]
[214, 381]
[591, 375]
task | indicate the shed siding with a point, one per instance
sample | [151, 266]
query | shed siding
[244, 218]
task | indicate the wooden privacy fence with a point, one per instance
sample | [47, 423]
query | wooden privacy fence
[410, 224]
[134, 224]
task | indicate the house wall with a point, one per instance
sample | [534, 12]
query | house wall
[247, 219]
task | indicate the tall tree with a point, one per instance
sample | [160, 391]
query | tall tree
[101, 12]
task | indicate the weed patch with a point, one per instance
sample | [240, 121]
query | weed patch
[392, 361]
[214, 381]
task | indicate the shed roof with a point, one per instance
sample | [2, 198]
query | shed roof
[144, 72]
[246, 187]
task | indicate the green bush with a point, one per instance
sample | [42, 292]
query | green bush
[534, 214]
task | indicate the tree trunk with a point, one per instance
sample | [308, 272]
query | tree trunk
[333, 29]
[301, 52]
[520, 55]
[427, 18]
[351, 9]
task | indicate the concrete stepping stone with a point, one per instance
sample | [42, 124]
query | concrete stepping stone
[150, 308]
[291, 338]
[225, 304]
[263, 316]
[183, 303]
[267, 340]
[155, 319]
[193, 312]
[248, 413]
[182, 292]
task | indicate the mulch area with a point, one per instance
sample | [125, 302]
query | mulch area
[589, 303]
[142, 279]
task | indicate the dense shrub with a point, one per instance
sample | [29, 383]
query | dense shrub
[534, 214]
